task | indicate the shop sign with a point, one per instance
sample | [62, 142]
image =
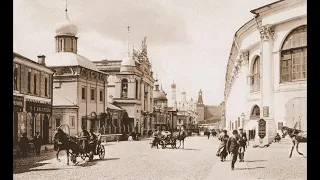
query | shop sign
[18, 102]
[37, 107]
[262, 128]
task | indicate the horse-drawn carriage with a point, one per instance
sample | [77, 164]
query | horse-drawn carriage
[167, 138]
[78, 146]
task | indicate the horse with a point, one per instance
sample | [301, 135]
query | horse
[181, 136]
[297, 136]
[62, 141]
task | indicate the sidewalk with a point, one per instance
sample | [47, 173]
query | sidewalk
[268, 163]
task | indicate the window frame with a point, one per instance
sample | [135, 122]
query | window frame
[58, 120]
[255, 75]
[295, 43]
[72, 121]
[101, 95]
[29, 82]
[46, 87]
[93, 94]
[35, 79]
[124, 92]
[84, 93]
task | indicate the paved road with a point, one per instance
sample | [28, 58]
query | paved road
[137, 161]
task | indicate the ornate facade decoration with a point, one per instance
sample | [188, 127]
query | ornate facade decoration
[266, 32]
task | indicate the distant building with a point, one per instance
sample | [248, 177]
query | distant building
[32, 98]
[160, 106]
[208, 115]
[130, 84]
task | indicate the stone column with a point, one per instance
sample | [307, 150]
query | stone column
[266, 88]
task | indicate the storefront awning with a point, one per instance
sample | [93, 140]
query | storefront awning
[251, 125]
[113, 107]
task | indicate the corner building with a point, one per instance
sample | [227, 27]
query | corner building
[266, 71]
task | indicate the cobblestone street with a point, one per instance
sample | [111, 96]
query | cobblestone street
[136, 160]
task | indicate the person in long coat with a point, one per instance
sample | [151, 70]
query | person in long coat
[233, 147]
[222, 150]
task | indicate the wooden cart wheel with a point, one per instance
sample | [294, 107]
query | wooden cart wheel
[101, 151]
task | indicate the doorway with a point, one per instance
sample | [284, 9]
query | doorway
[45, 129]
[296, 113]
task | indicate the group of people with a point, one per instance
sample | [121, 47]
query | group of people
[25, 147]
[235, 145]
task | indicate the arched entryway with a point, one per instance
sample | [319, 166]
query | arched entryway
[251, 125]
[296, 112]
[45, 129]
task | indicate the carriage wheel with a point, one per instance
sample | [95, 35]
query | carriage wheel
[178, 144]
[173, 143]
[101, 151]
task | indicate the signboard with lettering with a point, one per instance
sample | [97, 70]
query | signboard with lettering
[38, 107]
[280, 125]
[18, 103]
[266, 111]
[262, 128]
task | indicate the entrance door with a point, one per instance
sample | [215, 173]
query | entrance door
[15, 128]
[296, 110]
[45, 129]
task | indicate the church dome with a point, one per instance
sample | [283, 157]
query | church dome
[128, 61]
[66, 28]
[69, 59]
[159, 95]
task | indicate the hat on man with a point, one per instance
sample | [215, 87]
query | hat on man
[234, 132]
[240, 129]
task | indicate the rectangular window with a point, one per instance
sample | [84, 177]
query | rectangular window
[101, 95]
[29, 82]
[57, 122]
[46, 86]
[72, 123]
[15, 78]
[35, 84]
[92, 94]
[83, 93]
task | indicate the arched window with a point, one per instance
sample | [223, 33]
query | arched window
[294, 56]
[256, 75]
[137, 89]
[255, 113]
[124, 88]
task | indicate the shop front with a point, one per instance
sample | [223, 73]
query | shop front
[18, 105]
[38, 118]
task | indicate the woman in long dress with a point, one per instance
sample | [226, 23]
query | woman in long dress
[222, 150]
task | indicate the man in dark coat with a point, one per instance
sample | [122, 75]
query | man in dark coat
[233, 147]
[84, 134]
[37, 143]
[23, 145]
[243, 144]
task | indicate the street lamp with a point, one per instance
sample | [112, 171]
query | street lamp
[242, 119]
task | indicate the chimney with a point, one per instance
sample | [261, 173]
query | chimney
[42, 59]
[111, 99]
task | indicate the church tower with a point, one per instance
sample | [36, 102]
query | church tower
[174, 97]
[66, 40]
[200, 108]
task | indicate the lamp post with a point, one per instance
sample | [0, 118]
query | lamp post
[242, 119]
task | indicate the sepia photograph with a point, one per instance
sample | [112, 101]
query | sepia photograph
[160, 89]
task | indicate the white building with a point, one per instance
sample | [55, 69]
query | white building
[266, 71]
[79, 88]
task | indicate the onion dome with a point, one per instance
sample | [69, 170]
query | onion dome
[66, 28]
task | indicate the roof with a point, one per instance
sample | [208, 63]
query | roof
[69, 59]
[59, 100]
[258, 10]
[34, 62]
[113, 107]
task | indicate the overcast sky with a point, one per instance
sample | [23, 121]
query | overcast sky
[188, 40]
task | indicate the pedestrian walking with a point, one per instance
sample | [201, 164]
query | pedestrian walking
[23, 145]
[242, 145]
[222, 150]
[208, 134]
[37, 140]
[233, 147]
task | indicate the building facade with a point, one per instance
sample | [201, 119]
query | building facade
[79, 88]
[32, 98]
[160, 104]
[266, 71]
[130, 83]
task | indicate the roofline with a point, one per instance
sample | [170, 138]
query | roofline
[254, 11]
[25, 58]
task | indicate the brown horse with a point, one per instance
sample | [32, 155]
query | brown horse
[297, 136]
